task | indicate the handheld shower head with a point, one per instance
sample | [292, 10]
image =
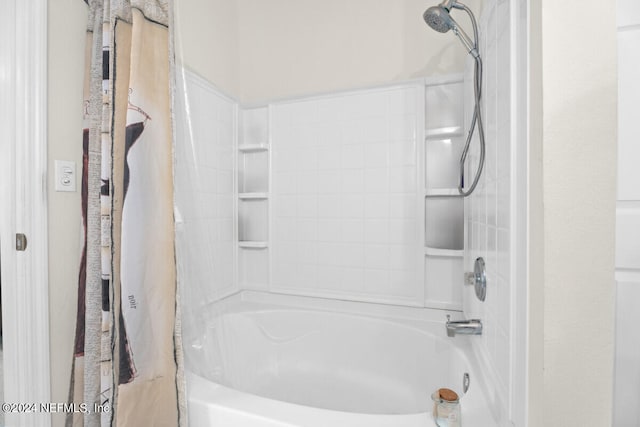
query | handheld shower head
[439, 18]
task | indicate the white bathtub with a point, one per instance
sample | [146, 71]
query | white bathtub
[299, 365]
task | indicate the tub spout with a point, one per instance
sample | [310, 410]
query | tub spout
[463, 327]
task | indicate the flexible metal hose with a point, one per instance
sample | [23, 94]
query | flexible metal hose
[477, 116]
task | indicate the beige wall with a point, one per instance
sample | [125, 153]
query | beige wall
[207, 41]
[67, 24]
[289, 48]
[574, 301]
[260, 50]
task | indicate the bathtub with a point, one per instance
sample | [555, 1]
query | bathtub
[304, 362]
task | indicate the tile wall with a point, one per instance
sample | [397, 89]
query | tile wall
[205, 168]
[627, 358]
[489, 222]
[322, 196]
[341, 187]
[346, 215]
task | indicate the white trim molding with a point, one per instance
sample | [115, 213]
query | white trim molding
[23, 206]
[520, 158]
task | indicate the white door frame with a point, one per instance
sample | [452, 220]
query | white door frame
[23, 207]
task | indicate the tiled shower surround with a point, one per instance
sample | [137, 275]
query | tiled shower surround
[489, 225]
[205, 183]
[352, 196]
[345, 196]
[323, 196]
[627, 376]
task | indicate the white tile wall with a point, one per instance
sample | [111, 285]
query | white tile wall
[204, 190]
[628, 236]
[627, 357]
[626, 412]
[628, 114]
[443, 281]
[437, 100]
[488, 209]
[628, 13]
[346, 219]
[346, 209]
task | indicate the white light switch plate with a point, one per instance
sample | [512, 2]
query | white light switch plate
[65, 175]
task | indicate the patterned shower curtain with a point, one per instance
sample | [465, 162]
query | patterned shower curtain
[127, 361]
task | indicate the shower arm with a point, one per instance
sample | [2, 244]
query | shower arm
[460, 33]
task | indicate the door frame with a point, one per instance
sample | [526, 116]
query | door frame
[23, 207]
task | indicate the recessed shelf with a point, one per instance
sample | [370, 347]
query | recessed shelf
[443, 252]
[444, 224]
[442, 192]
[253, 245]
[445, 131]
[253, 196]
[252, 148]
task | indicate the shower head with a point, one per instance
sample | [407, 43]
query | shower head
[439, 18]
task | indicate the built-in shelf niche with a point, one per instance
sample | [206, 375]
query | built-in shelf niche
[253, 172]
[252, 221]
[253, 244]
[442, 163]
[444, 225]
[253, 179]
[253, 148]
[253, 198]
[444, 141]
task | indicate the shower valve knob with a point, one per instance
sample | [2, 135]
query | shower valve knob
[469, 278]
[477, 279]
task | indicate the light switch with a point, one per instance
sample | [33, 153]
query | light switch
[65, 175]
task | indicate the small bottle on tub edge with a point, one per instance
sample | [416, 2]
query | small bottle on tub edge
[446, 408]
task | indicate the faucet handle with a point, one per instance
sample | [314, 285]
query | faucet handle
[469, 278]
[477, 279]
[448, 318]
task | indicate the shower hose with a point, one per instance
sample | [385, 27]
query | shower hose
[476, 118]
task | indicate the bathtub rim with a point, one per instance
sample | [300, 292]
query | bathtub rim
[284, 413]
[426, 321]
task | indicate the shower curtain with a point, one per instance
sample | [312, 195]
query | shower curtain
[127, 360]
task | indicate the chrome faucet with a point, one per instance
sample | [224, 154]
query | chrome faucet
[463, 327]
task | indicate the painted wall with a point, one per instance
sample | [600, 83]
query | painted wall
[574, 299]
[207, 42]
[290, 48]
[627, 375]
[257, 50]
[66, 32]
